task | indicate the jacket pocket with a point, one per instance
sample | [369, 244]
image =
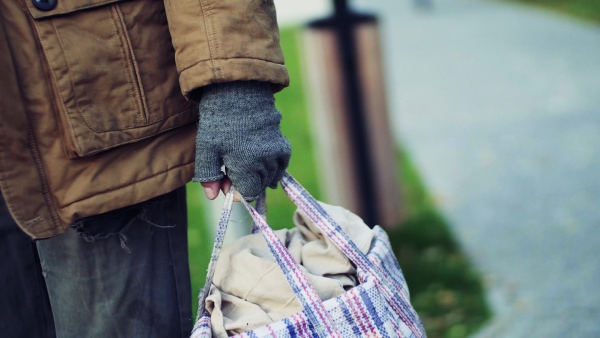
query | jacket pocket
[113, 70]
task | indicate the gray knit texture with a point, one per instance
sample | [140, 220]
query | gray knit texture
[239, 127]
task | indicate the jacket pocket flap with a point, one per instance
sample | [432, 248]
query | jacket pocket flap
[66, 6]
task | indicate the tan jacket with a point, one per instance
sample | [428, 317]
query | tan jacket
[93, 113]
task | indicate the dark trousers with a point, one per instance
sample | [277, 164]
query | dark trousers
[121, 274]
[24, 305]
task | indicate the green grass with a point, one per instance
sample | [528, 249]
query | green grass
[585, 9]
[445, 290]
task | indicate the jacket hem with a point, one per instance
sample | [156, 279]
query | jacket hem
[136, 192]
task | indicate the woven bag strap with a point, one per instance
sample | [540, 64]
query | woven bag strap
[315, 212]
[218, 244]
[313, 306]
[261, 207]
[395, 293]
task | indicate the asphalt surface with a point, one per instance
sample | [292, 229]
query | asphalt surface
[499, 107]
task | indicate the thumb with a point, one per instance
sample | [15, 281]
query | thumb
[211, 189]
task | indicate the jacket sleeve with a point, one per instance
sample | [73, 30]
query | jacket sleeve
[225, 40]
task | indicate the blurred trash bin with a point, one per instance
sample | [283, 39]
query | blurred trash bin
[356, 149]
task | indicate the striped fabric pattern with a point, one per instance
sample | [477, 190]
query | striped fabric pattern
[306, 294]
[389, 286]
[378, 307]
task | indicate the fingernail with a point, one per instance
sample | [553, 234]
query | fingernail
[210, 193]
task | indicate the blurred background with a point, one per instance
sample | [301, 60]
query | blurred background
[480, 124]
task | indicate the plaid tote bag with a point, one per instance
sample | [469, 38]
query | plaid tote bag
[378, 307]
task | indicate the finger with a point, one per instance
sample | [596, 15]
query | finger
[249, 185]
[283, 161]
[282, 164]
[211, 189]
[276, 179]
[226, 185]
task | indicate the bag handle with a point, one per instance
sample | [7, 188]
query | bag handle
[306, 294]
[315, 212]
[217, 245]
[261, 208]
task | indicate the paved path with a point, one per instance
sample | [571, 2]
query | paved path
[499, 106]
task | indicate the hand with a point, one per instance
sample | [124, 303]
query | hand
[239, 127]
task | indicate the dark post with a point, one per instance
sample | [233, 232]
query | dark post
[344, 21]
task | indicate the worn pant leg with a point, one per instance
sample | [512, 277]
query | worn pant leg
[123, 273]
[24, 306]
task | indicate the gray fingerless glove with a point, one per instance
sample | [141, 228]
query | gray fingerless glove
[239, 127]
